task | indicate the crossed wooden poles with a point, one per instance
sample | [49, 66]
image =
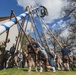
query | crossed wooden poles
[22, 32]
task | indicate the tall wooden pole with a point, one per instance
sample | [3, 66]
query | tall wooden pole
[49, 30]
[24, 32]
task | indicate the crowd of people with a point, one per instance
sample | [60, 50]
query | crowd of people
[36, 55]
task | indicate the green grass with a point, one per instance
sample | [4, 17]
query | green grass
[14, 71]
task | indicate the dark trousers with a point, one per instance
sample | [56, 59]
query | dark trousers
[23, 63]
[4, 63]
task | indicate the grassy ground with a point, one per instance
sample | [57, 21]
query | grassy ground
[15, 71]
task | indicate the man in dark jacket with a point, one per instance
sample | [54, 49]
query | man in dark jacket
[3, 53]
[12, 59]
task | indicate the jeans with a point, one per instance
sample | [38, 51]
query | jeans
[51, 62]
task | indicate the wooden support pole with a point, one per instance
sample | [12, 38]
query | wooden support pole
[7, 33]
[45, 38]
[21, 35]
[38, 33]
[36, 28]
[49, 30]
[33, 26]
[24, 32]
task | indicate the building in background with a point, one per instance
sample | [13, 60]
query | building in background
[13, 33]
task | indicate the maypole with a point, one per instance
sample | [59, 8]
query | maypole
[5, 26]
